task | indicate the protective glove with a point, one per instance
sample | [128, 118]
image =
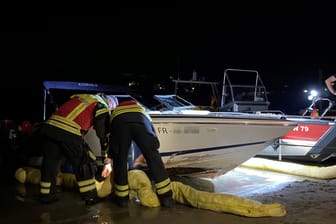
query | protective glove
[106, 171]
[107, 168]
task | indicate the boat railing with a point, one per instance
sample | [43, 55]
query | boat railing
[313, 105]
[243, 91]
[307, 114]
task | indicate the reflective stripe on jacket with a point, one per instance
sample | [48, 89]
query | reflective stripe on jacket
[127, 107]
[77, 114]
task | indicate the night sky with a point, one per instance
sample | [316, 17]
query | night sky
[291, 48]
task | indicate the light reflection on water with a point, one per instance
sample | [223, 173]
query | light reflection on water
[244, 182]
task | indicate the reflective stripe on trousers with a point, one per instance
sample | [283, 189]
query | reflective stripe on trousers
[163, 187]
[86, 185]
[121, 190]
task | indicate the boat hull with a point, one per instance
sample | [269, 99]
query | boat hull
[206, 144]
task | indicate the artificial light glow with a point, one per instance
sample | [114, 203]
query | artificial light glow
[313, 93]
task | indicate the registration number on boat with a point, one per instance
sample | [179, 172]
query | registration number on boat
[185, 130]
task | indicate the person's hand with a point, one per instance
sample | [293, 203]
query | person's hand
[107, 170]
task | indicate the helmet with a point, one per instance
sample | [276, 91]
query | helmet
[112, 101]
[109, 100]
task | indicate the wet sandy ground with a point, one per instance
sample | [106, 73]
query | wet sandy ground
[306, 201]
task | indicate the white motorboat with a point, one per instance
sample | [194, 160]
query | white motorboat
[199, 141]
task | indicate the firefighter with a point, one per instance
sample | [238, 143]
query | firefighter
[61, 137]
[130, 122]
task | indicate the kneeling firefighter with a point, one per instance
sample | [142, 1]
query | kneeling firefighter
[61, 137]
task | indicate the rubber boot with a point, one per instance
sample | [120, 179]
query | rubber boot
[121, 201]
[166, 200]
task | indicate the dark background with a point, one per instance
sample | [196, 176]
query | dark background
[292, 48]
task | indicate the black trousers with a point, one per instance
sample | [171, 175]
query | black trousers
[58, 146]
[137, 127]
